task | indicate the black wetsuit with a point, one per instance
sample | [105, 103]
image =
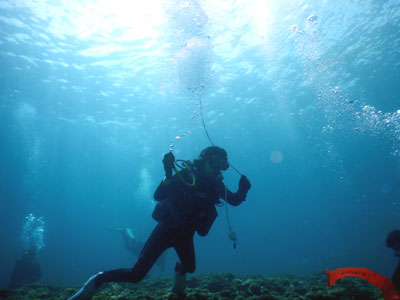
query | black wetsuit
[181, 210]
[27, 270]
[396, 277]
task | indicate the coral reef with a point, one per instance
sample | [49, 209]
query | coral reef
[225, 286]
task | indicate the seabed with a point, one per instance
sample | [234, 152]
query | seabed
[216, 286]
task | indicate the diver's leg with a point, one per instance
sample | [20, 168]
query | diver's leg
[157, 243]
[185, 250]
[396, 277]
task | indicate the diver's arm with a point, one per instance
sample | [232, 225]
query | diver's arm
[163, 189]
[170, 186]
[236, 198]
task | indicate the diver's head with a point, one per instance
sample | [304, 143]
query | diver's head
[212, 160]
[393, 240]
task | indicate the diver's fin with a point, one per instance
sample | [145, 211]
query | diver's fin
[88, 289]
[117, 229]
[129, 233]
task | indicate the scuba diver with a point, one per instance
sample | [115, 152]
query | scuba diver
[186, 204]
[133, 245]
[27, 270]
[393, 241]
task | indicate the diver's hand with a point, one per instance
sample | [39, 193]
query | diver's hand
[168, 162]
[244, 185]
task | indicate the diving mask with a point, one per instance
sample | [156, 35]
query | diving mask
[218, 162]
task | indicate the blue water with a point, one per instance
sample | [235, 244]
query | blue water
[302, 94]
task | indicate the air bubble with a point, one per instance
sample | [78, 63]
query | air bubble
[312, 19]
[276, 157]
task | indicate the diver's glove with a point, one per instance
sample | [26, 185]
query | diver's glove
[88, 289]
[168, 162]
[244, 185]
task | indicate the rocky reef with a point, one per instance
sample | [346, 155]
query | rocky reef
[221, 286]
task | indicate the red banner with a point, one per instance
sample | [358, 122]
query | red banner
[381, 282]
